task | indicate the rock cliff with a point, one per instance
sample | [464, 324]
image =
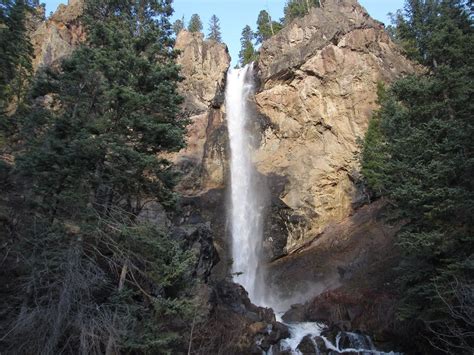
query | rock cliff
[319, 79]
[55, 38]
[204, 65]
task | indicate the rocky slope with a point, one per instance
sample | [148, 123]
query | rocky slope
[319, 88]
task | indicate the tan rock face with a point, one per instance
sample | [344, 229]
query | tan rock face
[319, 89]
[56, 38]
[204, 65]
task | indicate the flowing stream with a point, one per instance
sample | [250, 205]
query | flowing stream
[246, 218]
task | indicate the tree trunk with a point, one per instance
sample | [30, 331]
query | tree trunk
[110, 350]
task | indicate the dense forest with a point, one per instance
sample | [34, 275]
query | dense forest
[81, 156]
[418, 154]
[81, 272]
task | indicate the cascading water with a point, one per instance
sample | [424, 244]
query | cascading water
[246, 217]
[246, 207]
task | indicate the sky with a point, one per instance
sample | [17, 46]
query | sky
[235, 14]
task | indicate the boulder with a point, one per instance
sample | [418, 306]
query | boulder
[307, 346]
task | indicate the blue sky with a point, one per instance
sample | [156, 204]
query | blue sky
[235, 14]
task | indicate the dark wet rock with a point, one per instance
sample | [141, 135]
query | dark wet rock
[350, 340]
[307, 346]
[275, 233]
[321, 346]
[345, 341]
[331, 334]
[235, 297]
[297, 313]
[276, 332]
[245, 327]
[199, 239]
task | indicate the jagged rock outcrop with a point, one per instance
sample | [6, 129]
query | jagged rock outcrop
[319, 79]
[204, 65]
[56, 38]
[236, 326]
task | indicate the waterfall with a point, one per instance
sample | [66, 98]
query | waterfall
[246, 220]
[246, 212]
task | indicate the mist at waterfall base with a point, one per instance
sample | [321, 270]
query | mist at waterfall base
[248, 202]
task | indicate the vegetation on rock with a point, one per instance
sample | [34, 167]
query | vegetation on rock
[195, 24]
[266, 27]
[247, 53]
[178, 25]
[214, 29]
[298, 8]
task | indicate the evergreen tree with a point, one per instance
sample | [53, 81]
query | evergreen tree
[195, 24]
[298, 8]
[266, 27]
[178, 25]
[418, 153]
[15, 55]
[247, 52]
[214, 29]
[95, 277]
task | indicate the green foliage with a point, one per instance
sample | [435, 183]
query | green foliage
[94, 277]
[266, 27]
[106, 136]
[195, 24]
[247, 52]
[214, 29]
[374, 152]
[178, 25]
[15, 55]
[418, 153]
[425, 27]
[298, 8]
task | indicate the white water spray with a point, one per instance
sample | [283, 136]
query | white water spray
[246, 206]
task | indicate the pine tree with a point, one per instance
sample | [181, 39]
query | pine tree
[298, 8]
[109, 281]
[418, 154]
[15, 55]
[178, 25]
[266, 27]
[214, 29]
[195, 24]
[247, 53]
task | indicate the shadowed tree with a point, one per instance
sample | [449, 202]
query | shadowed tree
[94, 277]
[298, 8]
[178, 25]
[15, 54]
[418, 154]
